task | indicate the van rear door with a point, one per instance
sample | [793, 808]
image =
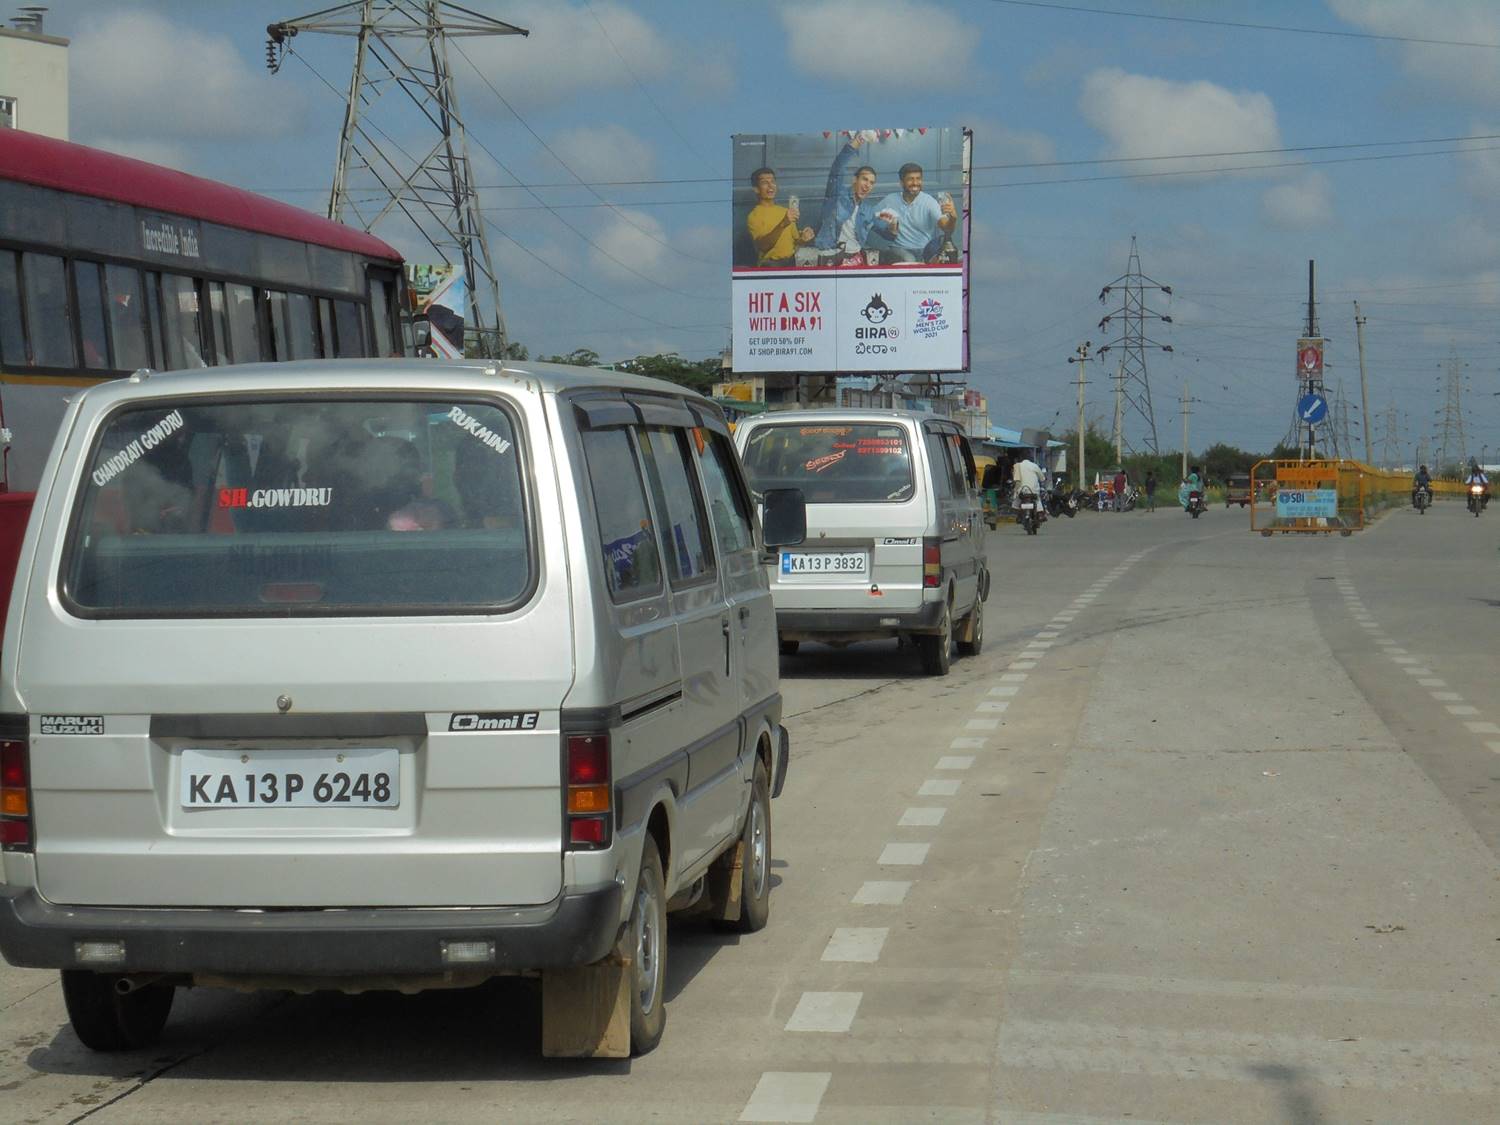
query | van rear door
[321, 644]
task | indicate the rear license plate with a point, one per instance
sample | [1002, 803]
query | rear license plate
[822, 562]
[359, 777]
[1027, 506]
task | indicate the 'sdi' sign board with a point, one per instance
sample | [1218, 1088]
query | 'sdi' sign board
[851, 251]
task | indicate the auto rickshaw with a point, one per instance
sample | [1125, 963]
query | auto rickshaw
[1237, 489]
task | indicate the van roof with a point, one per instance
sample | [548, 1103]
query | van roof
[380, 374]
[852, 413]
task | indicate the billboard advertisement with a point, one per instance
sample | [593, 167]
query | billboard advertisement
[850, 251]
[439, 293]
[1310, 358]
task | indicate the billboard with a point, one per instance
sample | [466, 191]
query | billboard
[1310, 358]
[850, 251]
[439, 293]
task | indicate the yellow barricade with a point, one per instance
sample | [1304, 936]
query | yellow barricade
[1321, 497]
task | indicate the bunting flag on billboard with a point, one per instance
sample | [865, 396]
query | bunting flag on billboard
[440, 293]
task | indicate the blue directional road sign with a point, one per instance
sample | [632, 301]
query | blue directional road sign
[1312, 408]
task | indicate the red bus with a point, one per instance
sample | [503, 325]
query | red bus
[109, 264]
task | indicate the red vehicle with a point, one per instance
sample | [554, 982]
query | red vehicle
[109, 264]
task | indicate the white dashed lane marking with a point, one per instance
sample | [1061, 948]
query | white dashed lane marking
[856, 943]
[1462, 709]
[1005, 689]
[966, 744]
[955, 762]
[992, 705]
[825, 1011]
[783, 1095]
[983, 724]
[1484, 728]
[1012, 677]
[938, 787]
[919, 817]
[878, 892]
[904, 855]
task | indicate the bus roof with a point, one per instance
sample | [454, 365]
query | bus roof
[46, 162]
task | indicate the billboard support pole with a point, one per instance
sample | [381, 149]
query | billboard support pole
[1081, 359]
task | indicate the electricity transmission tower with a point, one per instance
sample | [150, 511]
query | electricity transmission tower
[402, 86]
[1390, 442]
[1343, 440]
[1452, 445]
[1133, 388]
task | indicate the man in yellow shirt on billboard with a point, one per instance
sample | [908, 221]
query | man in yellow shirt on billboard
[773, 228]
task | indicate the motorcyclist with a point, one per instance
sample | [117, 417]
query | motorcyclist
[1422, 482]
[1477, 476]
[1193, 483]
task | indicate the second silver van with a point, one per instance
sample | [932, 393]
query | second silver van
[895, 541]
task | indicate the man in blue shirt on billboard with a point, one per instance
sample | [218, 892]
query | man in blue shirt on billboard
[913, 220]
[848, 211]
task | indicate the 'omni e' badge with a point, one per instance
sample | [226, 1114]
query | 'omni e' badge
[494, 720]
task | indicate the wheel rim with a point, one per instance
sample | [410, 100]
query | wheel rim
[760, 858]
[978, 623]
[647, 949]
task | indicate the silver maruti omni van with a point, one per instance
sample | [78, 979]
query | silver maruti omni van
[386, 675]
[895, 541]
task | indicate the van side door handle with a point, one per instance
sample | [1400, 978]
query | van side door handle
[744, 613]
[724, 624]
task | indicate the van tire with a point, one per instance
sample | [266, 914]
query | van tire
[644, 947]
[936, 649]
[973, 631]
[788, 648]
[755, 866]
[104, 1020]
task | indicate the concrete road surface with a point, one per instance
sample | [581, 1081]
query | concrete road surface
[1207, 833]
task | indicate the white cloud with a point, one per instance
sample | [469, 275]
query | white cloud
[1481, 165]
[998, 143]
[568, 52]
[135, 75]
[606, 152]
[1471, 73]
[856, 40]
[1143, 116]
[153, 152]
[1302, 204]
[633, 238]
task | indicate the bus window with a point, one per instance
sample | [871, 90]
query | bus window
[244, 327]
[184, 329]
[380, 313]
[276, 301]
[300, 330]
[89, 294]
[351, 337]
[127, 327]
[12, 338]
[218, 320]
[325, 327]
[153, 318]
[47, 315]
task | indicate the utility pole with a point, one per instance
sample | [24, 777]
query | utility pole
[401, 48]
[1186, 409]
[1082, 359]
[1119, 437]
[1135, 387]
[1364, 384]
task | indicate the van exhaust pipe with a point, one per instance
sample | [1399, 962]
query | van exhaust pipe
[124, 986]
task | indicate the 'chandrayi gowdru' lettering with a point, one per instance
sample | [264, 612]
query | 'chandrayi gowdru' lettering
[115, 465]
[474, 426]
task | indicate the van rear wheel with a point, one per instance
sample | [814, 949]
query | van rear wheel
[936, 649]
[644, 945]
[105, 1020]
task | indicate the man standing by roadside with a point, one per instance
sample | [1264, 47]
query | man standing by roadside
[848, 211]
[773, 228]
[913, 220]
[1122, 482]
[1150, 490]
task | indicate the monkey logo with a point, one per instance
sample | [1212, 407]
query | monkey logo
[877, 311]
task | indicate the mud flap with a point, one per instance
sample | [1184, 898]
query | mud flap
[586, 1011]
[724, 883]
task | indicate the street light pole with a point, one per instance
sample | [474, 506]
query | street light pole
[1081, 358]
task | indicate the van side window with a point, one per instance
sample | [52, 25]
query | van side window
[727, 505]
[689, 556]
[942, 471]
[965, 458]
[631, 564]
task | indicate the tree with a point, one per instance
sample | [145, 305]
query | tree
[1098, 452]
[578, 357]
[699, 375]
[1220, 461]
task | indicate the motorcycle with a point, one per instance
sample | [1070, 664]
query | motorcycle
[1478, 498]
[1029, 511]
[1195, 505]
[1421, 499]
[1061, 502]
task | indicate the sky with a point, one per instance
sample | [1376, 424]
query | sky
[1370, 128]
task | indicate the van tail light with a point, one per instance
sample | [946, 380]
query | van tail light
[590, 795]
[15, 796]
[932, 563]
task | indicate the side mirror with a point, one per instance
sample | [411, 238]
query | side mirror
[783, 520]
[422, 336]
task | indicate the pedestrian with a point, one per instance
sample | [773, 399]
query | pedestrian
[1151, 490]
[1121, 481]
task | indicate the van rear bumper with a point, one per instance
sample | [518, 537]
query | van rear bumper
[802, 624]
[577, 930]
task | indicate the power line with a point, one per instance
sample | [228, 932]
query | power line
[1282, 28]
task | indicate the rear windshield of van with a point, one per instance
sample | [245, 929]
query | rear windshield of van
[832, 464]
[301, 507]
